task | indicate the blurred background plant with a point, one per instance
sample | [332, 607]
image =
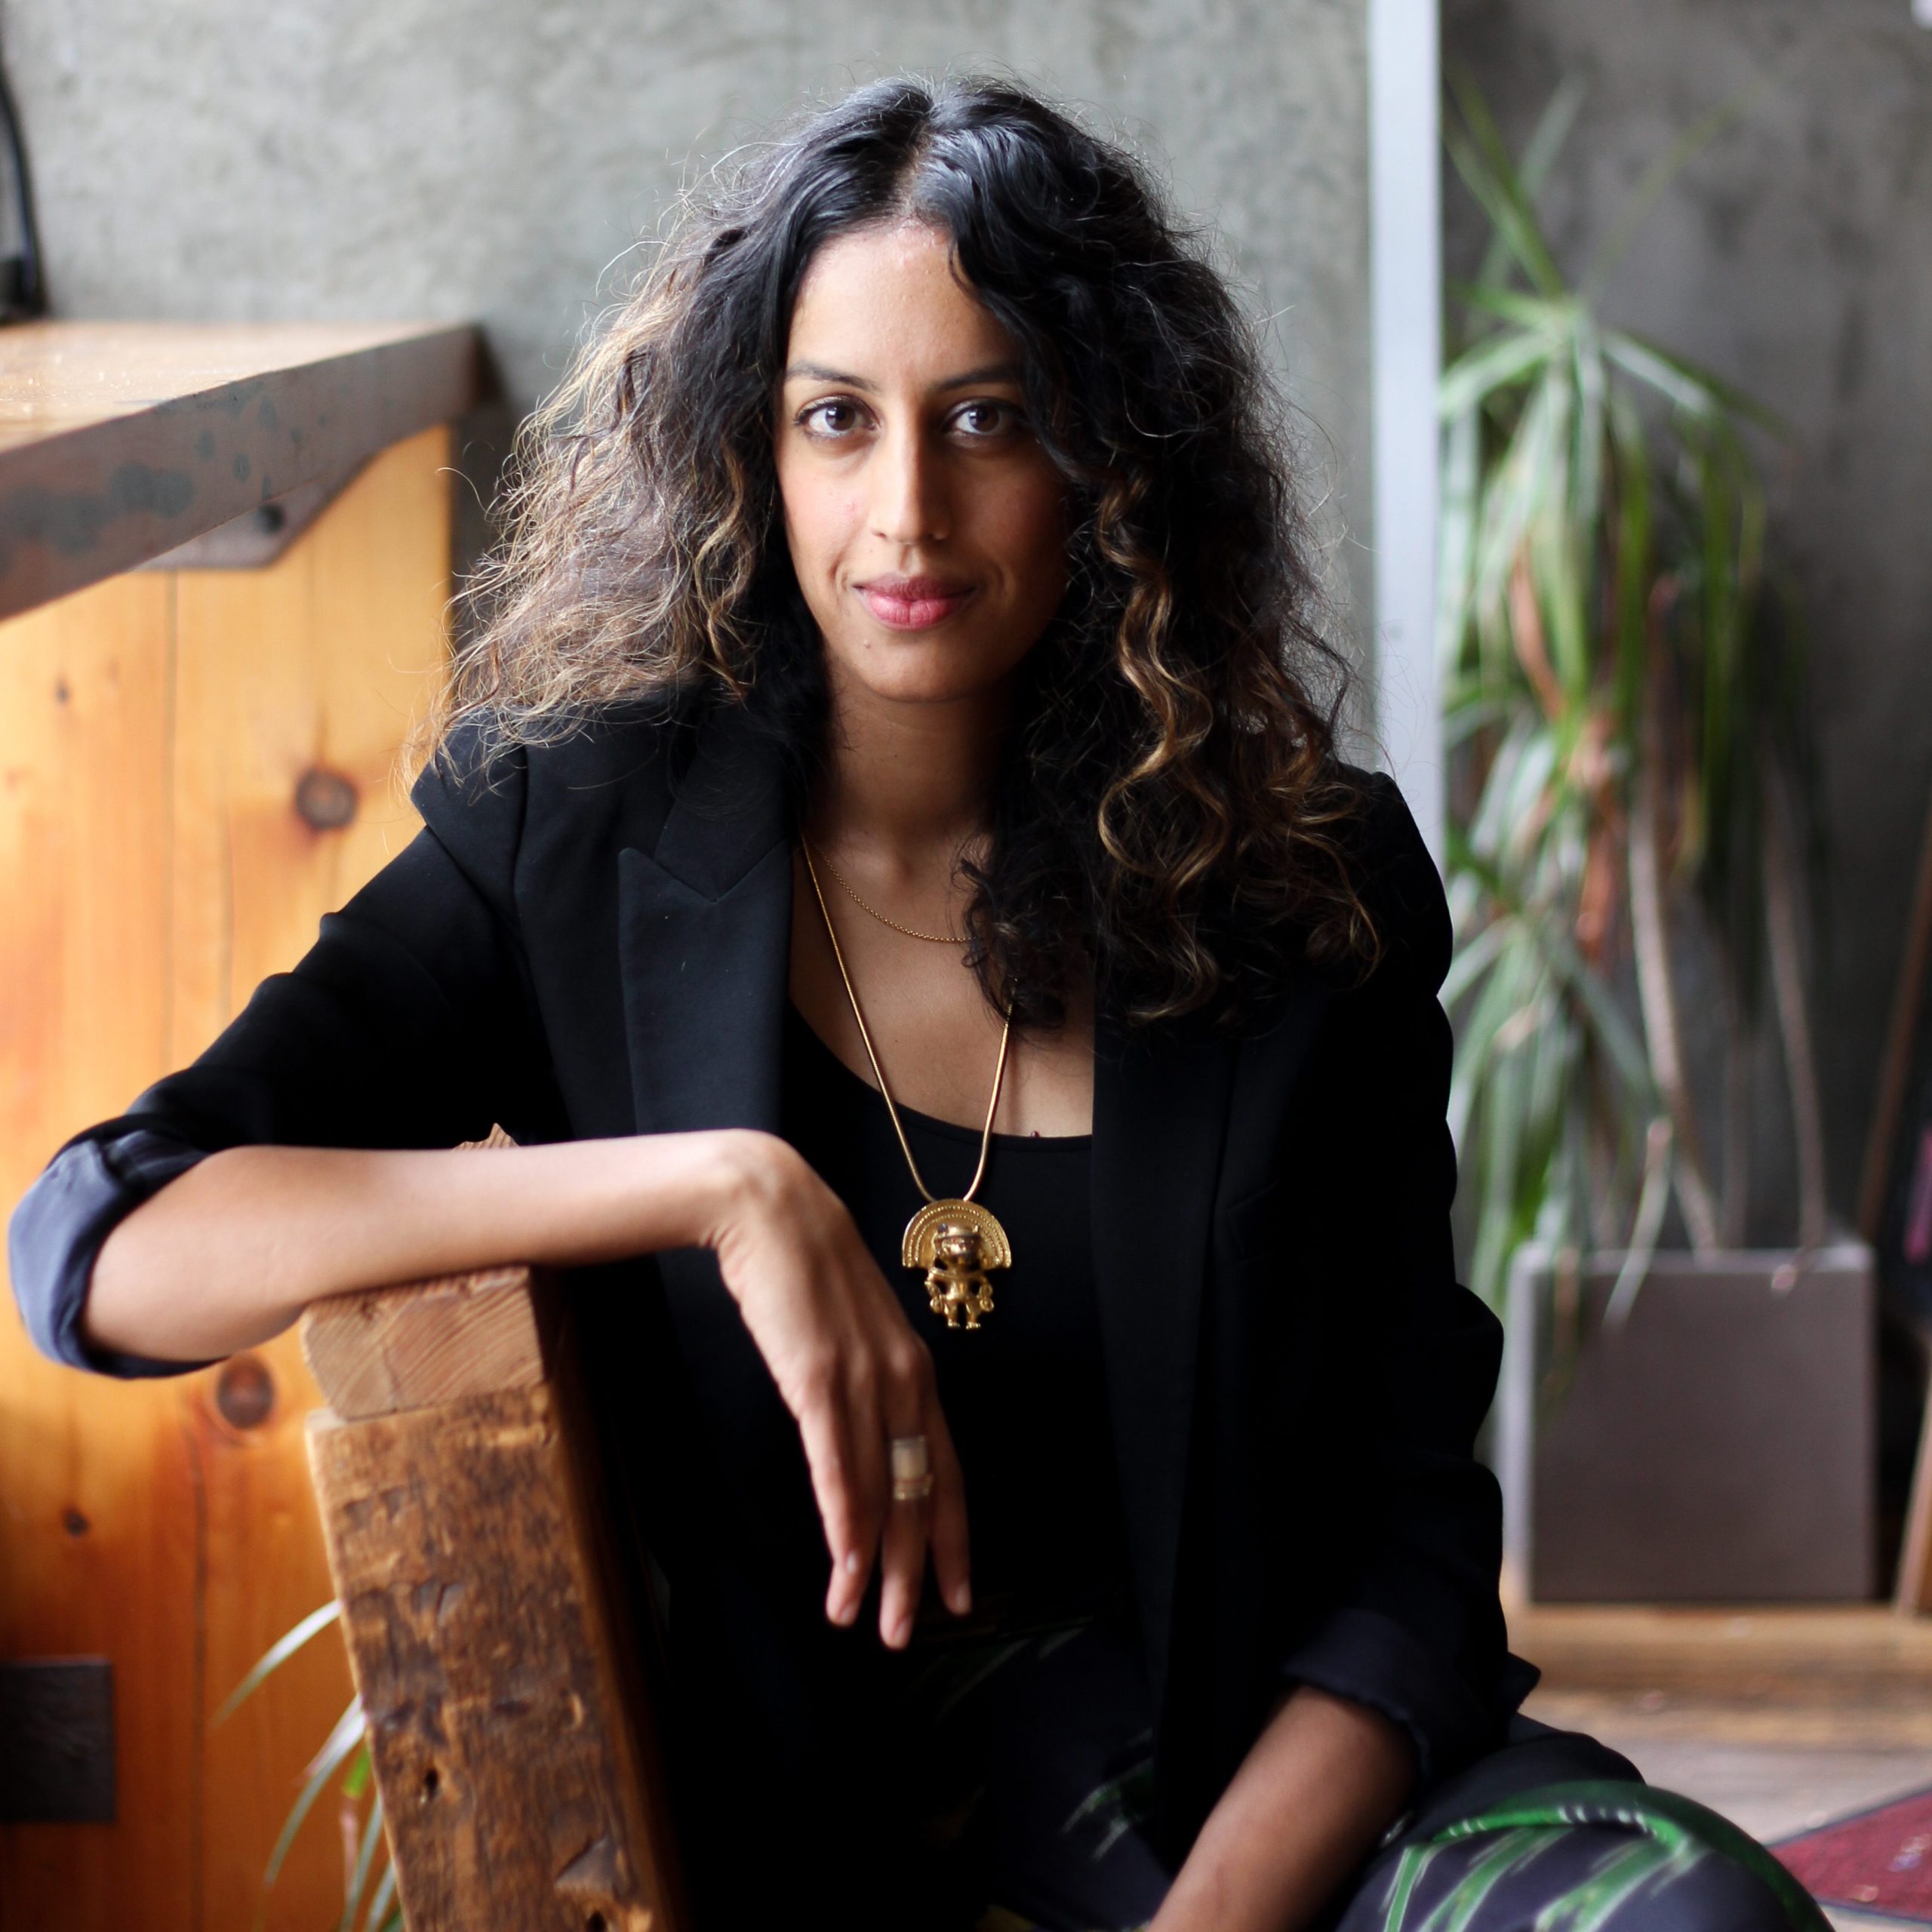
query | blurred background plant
[1628, 769]
[369, 1903]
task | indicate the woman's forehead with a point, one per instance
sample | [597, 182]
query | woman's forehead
[887, 303]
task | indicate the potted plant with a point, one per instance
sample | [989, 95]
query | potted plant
[1622, 712]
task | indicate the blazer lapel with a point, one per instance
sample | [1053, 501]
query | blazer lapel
[1160, 1117]
[705, 940]
[706, 935]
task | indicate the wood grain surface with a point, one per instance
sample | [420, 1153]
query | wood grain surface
[377, 1353]
[1837, 1677]
[153, 730]
[509, 1721]
[101, 1487]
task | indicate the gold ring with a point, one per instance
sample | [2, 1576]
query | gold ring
[911, 1461]
[912, 1489]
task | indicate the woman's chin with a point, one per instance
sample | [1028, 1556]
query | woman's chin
[920, 668]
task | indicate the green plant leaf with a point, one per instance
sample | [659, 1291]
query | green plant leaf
[1602, 543]
[1494, 363]
[1481, 158]
[1539, 153]
[1658, 176]
[1634, 567]
[365, 1859]
[1456, 533]
[272, 1660]
[1552, 131]
[1472, 962]
[342, 1739]
[1690, 386]
[385, 1915]
[1546, 314]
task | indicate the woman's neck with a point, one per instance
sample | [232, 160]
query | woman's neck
[906, 782]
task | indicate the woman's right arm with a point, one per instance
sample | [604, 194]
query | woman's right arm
[229, 1254]
[410, 1027]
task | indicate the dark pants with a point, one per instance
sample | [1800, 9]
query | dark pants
[1552, 1832]
[1555, 1831]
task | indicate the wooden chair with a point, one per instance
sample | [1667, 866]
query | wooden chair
[488, 1618]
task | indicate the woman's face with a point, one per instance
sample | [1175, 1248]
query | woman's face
[924, 519]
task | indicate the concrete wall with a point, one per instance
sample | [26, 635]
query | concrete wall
[495, 159]
[1794, 255]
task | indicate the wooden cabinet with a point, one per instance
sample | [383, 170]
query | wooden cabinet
[195, 765]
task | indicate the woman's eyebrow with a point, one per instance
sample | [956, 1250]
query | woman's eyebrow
[989, 372]
[816, 372]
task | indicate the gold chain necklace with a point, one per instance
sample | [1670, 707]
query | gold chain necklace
[851, 892]
[955, 1239]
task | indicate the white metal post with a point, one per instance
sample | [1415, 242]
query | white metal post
[1405, 217]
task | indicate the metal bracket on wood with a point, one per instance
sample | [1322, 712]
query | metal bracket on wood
[57, 1741]
[256, 537]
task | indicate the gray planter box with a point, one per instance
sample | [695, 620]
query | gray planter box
[1719, 1446]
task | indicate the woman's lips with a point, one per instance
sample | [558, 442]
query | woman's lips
[913, 603]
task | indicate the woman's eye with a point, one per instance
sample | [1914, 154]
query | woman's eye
[836, 418]
[980, 420]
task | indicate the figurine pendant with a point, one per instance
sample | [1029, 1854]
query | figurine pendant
[958, 1243]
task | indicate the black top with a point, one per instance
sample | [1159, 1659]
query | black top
[592, 939]
[1023, 1394]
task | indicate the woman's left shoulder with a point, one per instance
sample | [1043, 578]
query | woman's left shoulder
[1393, 875]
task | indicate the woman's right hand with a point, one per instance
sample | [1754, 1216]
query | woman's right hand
[230, 1253]
[851, 1371]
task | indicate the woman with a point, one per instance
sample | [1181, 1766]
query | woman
[897, 748]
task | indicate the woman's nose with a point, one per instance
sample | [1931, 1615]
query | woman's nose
[909, 489]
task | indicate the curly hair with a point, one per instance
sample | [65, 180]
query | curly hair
[1171, 818]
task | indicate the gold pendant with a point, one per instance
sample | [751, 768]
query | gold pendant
[956, 1242]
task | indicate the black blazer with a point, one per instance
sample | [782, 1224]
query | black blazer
[592, 939]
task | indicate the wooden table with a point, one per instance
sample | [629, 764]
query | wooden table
[194, 764]
[119, 440]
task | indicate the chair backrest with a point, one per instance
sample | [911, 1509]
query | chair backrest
[491, 1636]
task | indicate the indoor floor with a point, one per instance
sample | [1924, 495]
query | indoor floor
[1783, 1719]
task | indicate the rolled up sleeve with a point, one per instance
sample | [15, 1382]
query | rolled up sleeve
[85, 1193]
[1373, 1660]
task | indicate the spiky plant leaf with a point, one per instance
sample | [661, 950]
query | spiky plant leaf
[365, 1860]
[385, 1914]
[1602, 553]
[272, 1660]
[323, 1766]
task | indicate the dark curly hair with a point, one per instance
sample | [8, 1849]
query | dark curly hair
[1171, 817]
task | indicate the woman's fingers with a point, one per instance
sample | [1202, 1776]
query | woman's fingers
[869, 1483]
[931, 1520]
[854, 1376]
[911, 1414]
[824, 1428]
[946, 1522]
[903, 1568]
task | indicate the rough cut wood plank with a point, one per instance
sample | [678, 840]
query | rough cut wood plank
[389, 1349]
[463, 1542]
[119, 440]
